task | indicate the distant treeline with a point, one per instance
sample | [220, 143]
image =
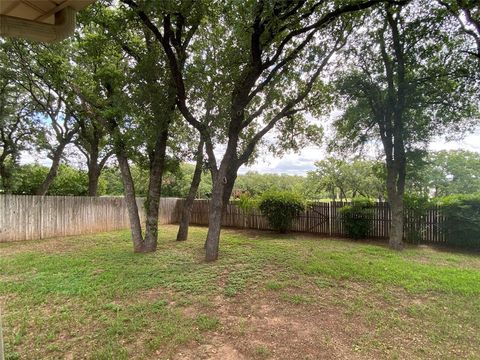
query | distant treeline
[436, 174]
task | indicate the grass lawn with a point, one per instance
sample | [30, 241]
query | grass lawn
[268, 297]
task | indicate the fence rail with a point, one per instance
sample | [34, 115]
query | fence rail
[25, 217]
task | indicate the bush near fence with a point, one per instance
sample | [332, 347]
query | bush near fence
[461, 225]
[357, 218]
[281, 208]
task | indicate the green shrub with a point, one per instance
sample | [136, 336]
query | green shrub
[281, 208]
[462, 219]
[357, 218]
[246, 202]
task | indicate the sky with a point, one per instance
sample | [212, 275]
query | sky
[300, 164]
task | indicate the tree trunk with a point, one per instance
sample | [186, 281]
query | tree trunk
[6, 178]
[154, 191]
[222, 190]
[395, 190]
[129, 193]
[95, 167]
[188, 204]
[214, 222]
[52, 173]
[93, 175]
[396, 231]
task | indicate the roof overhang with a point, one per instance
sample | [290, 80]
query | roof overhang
[39, 20]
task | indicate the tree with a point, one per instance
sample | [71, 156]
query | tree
[27, 178]
[272, 55]
[104, 73]
[69, 180]
[42, 71]
[48, 77]
[410, 81]
[17, 126]
[331, 177]
[131, 90]
[453, 172]
[92, 141]
[348, 179]
[255, 183]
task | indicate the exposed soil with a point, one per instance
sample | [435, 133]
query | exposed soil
[265, 327]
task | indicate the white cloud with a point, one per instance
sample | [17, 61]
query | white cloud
[290, 163]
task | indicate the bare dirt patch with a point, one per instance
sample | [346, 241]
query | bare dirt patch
[265, 327]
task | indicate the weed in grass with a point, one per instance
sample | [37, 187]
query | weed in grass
[262, 351]
[20, 334]
[110, 351]
[296, 299]
[154, 343]
[242, 326]
[273, 285]
[112, 306]
[230, 291]
[206, 322]
[12, 355]
[324, 283]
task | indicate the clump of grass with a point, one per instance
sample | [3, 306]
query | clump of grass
[324, 283]
[261, 351]
[274, 285]
[206, 322]
[296, 299]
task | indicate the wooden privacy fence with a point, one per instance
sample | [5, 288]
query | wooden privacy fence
[28, 217]
[325, 219]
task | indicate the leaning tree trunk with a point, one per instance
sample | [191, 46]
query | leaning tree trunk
[128, 185]
[188, 203]
[132, 207]
[222, 190]
[214, 221]
[52, 173]
[154, 191]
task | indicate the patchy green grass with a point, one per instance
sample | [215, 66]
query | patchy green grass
[92, 297]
